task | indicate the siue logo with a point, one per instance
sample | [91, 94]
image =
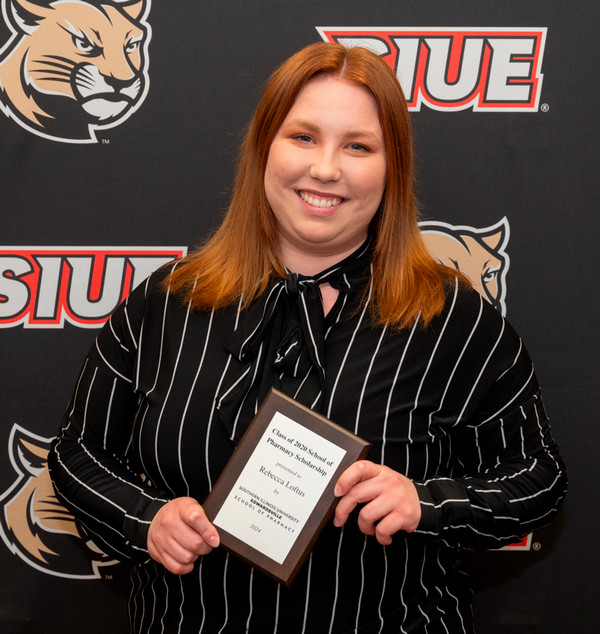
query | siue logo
[73, 67]
[451, 69]
[479, 253]
[34, 525]
[42, 287]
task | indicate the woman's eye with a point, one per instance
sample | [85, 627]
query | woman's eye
[358, 147]
[303, 138]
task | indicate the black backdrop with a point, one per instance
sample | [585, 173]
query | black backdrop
[161, 178]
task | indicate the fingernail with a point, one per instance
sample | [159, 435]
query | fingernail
[213, 540]
[336, 522]
[336, 491]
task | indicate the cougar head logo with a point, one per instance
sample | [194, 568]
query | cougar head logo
[478, 253]
[73, 66]
[34, 525]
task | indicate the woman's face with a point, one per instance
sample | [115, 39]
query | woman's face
[326, 170]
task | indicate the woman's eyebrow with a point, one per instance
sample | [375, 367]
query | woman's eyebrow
[302, 123]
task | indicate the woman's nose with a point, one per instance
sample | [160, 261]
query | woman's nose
[325, 166]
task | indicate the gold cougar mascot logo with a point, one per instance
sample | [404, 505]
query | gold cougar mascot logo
[34, 525]
[73, 66]
[478, 253]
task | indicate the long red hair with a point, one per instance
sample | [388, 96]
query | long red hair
[244, 254]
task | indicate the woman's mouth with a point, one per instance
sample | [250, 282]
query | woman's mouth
[322, 202]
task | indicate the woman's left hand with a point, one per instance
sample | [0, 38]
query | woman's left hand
[391, 500]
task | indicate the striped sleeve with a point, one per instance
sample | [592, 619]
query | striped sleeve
[89, 461]
[507, 478]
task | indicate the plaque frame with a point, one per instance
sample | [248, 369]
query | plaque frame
[356, 449]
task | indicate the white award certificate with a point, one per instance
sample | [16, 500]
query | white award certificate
[279, 487]
[276, 492]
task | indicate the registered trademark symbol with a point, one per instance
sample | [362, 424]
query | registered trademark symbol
[544, 107]
[536, 546]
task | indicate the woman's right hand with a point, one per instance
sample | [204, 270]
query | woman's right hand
[180, 533]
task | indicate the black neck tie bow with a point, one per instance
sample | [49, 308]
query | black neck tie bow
[280, 342]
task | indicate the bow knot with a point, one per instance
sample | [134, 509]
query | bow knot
[280, 342]
[291, 285]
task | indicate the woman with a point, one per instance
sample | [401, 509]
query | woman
[317, 283]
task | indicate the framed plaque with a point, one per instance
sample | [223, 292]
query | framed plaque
[275, 494]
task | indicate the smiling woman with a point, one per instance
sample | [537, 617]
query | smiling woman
[246, 252]
[318, 284]
[326, 173]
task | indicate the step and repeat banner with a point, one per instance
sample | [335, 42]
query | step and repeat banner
[119, 127]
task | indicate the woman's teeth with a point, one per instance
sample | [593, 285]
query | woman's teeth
[315, 201]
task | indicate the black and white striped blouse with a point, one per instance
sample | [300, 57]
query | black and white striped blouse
[455, 407]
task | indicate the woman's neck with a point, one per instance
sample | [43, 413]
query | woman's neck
[307, 263]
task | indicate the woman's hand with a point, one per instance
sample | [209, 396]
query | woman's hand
[391, 500]
[180, 533]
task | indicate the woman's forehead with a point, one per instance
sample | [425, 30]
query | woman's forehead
[331, 100]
